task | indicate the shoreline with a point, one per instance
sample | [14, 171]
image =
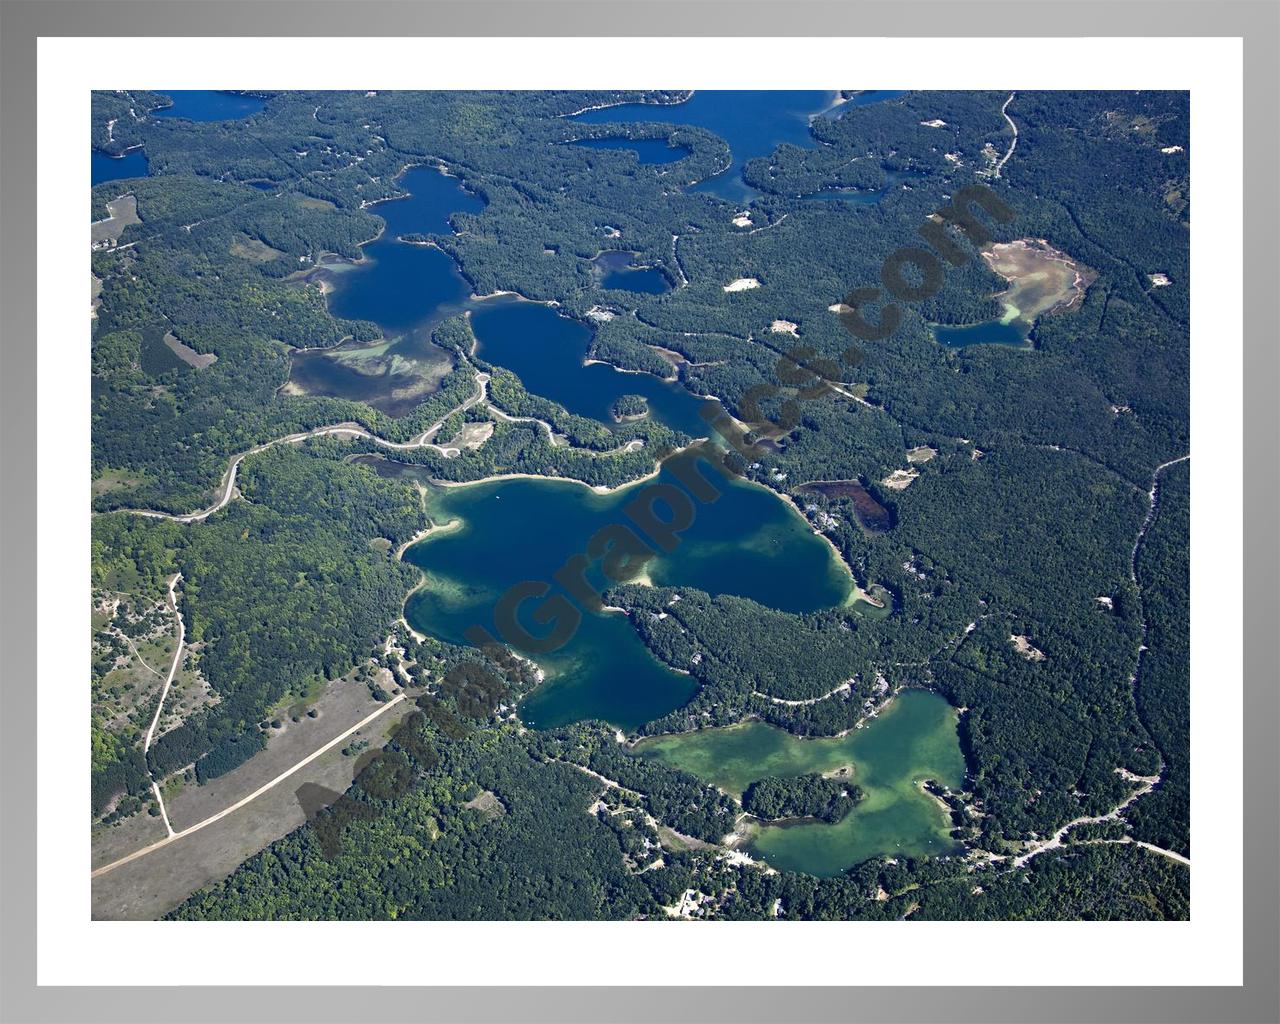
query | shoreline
[589, 360]
[600, 489]
[435, 529]
[857, 592]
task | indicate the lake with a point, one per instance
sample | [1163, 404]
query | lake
[546, 351]
[913, 739]
[993, 332]
[399, 285]
[208, 105]
[406, 289]
[108, 168]
[648, 151]
[618, 270]
[747, 543]
[753, 123]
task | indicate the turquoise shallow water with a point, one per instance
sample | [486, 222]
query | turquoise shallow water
[912, 740]
[747, 543]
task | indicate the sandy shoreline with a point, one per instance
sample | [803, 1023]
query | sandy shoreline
[595, 488]
[434, 530]
[858, 593]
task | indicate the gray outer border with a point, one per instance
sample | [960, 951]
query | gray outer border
[1257, 22]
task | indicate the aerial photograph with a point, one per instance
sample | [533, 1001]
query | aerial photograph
[640, 505]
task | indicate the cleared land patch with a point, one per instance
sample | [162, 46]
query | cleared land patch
[253, 249]
[900, 479]
[123, 212]
[152, 885]
[198, 360]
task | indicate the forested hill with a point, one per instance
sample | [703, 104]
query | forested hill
[1008, 484]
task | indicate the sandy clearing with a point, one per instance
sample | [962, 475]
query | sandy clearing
[175, 836]
[900, 479]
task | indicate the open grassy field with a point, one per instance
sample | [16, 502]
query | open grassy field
[123, 211]
[150, 886]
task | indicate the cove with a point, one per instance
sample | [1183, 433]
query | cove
[647, 151]
[502, 532]
[405, 289]
[208, 105]
[113, 168]
[861, 99]
[753, 123]
[618, 270]
[547, 352]
[911, 740]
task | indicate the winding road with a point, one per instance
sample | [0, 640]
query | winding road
[1148, 782]
[227, 488]
[1004, 110]
[228, 485]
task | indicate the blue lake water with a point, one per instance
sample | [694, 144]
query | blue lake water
[650, 151]
[400, 285]
[208, 105]
[617, 271]
[546, 351]
[106, 168]
[993, 332]
[405, 289]
[747, 543]
[753, 123]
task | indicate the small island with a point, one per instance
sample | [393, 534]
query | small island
[629, 407]
[811, 796]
